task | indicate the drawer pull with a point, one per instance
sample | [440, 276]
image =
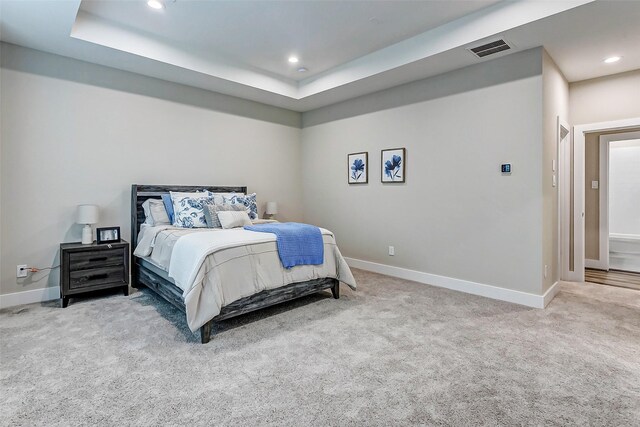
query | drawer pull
[102, 258]
[97, 276]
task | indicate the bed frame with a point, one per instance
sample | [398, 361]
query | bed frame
[144, 276]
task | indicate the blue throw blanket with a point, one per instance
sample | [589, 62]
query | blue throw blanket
[298, 244]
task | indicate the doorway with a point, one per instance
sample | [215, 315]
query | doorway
[578, 240]
[619, 202]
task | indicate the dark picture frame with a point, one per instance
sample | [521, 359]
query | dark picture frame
[393, 171]
[358, 168]
[108, 235]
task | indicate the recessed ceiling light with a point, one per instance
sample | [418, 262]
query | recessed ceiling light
[155, 4]
[612, 59]
[302, 70]
[293, 59]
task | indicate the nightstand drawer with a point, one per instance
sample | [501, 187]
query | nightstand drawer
[92, 267]
[97, 277]
[95, 259]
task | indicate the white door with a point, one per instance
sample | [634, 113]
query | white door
[605, 193]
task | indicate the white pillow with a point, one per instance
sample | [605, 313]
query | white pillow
[187, 209]
[233, 219]
[155, 212]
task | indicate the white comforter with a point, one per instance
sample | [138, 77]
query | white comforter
[217, 267]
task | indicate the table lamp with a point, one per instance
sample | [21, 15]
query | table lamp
[272, 209]
[87, 215]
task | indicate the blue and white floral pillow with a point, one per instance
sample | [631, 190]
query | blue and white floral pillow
[188, 209]
[219, 198]
[248, 200]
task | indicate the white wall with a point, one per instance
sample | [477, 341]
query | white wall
[74, 133]
[555, 103]
[2, 50]
[624, 187]
[456, 215]
[605, 99]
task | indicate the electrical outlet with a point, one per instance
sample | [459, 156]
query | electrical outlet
[21, 270]
[392, 250]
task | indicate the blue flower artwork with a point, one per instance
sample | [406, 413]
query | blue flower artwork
[393, 165]
[358, 168]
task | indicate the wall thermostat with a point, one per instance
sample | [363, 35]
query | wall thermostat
[506, 168]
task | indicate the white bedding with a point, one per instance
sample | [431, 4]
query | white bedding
[156, 242]
[215, 267]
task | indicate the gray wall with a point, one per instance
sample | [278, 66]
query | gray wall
[555, 103]
[604, 99]
[456, 215]
[74, 132]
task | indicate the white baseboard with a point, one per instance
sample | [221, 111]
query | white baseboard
[481, 289]
[28, 297]
[594, 263]
[551, 293]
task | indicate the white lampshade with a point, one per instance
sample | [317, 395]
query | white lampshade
[87, 214]
[272, 208]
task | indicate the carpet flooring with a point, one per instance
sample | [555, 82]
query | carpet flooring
[393, 353]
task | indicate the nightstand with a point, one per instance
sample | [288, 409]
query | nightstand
[87, 268]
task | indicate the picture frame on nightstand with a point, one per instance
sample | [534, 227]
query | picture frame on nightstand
[108, 235]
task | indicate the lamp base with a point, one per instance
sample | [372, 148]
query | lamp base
[87, 235]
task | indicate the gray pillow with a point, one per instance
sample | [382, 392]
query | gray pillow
[155, 212]
[211, 213]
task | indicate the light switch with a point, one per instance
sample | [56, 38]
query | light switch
[554, 180]
[553, 165]
[594, 185]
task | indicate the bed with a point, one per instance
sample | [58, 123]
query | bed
[206, 287]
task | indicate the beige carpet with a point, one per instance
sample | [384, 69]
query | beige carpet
[395, 352]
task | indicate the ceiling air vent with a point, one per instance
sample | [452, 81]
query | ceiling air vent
[490, 48]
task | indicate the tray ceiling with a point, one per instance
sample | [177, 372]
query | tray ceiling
[349, 48]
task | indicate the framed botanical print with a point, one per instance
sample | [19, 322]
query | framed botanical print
[393, 163]
[358, 168]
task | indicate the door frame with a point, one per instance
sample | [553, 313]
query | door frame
[564, 195]
[605, 149]
[577, 275]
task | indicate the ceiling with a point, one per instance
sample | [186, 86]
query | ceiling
[350, 48]
[262, 34]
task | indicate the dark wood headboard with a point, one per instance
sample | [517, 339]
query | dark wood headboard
[140, 193]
